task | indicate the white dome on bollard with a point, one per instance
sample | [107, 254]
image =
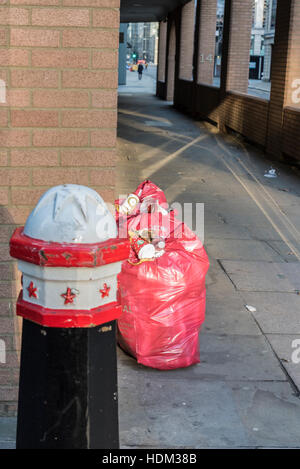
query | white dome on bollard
[71, 213]
[70, 255]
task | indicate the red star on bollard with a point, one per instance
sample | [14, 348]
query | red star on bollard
[32, 290]
[105, 291]
[68, 296]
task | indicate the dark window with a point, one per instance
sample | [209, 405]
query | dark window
[273, 14]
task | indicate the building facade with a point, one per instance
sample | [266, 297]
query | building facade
[143, 41]
[269, 37]
[262, 36]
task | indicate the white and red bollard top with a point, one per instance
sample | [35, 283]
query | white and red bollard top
[70, 255]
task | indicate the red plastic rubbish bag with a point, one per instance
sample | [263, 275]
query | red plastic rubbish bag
[140, 201]
[163, 297]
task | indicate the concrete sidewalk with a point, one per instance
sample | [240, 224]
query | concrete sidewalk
[146, 85]
[260, 88]
[245, 392]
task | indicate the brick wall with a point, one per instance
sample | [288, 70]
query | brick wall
[247, 115]
[292, 92]
[171, 64]
[278, 74]
[290, 146]
[58, 123]
[162, 51]
[291, 112]
[228, 109]
[187, 41]
[207, 40]
[273, 124]
[239, 45]
[283, 125]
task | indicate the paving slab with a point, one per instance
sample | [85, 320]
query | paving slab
[284, 250]
[164, 413]
[217, 282]
[263, 232]
[219, 230]
[177, 414]
[223, 358]
[241, 249]
[287, 348]
[238, 213]
[236, 357]
[276, 313]
[263, 276]
[270, 413]
[226, 314]
[239, 216]
[134, 85]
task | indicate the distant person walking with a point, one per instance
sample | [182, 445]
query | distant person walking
[140, 71]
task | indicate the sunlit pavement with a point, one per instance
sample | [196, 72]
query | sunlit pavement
[260, 88]
[245, 392]
[136, 86]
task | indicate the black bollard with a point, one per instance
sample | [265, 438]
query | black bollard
[68, 388]
[68, 378]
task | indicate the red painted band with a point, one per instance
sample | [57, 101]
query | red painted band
[49, 254]
[66, 319]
